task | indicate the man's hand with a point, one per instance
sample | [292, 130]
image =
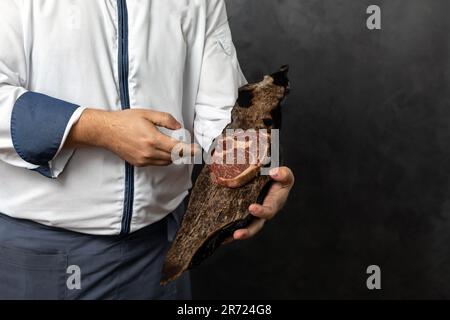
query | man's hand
[131, 134]
[273, 203]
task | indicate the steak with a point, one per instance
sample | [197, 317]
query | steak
[230, 181]
[239, 156]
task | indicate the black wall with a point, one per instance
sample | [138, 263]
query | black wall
[367, 133]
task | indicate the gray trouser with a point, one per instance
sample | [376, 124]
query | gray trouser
[40, 262]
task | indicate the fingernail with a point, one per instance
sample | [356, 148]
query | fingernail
[254, 209]
[274, 172]
[239, 235]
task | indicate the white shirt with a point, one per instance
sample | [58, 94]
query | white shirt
[59, 57]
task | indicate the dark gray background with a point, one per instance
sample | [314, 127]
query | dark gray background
[367, 133]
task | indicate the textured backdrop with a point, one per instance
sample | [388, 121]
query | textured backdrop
[367, 133]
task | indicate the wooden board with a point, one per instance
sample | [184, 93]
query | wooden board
[213, 214]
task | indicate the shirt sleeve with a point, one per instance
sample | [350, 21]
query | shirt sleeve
[33, 126]
[220, 79]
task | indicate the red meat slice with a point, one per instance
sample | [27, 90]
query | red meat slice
[238, 157]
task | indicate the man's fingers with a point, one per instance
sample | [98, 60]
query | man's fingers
[165, 143]
[252, 230]
[277, 196]
[168, 144]
[157, 155]
[266, 212]
[283, 175]
[159, 163]
[182, 150]
[284, 180]
[163, 119]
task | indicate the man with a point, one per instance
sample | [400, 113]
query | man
[89, 197]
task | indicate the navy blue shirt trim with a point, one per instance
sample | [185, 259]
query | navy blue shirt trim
[125, 103]
[45, 171]
[38, 124]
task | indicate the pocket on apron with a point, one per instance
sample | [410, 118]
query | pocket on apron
[26, 275]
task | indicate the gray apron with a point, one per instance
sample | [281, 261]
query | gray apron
[40, 262]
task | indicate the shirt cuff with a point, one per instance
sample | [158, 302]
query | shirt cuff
[40, 126]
